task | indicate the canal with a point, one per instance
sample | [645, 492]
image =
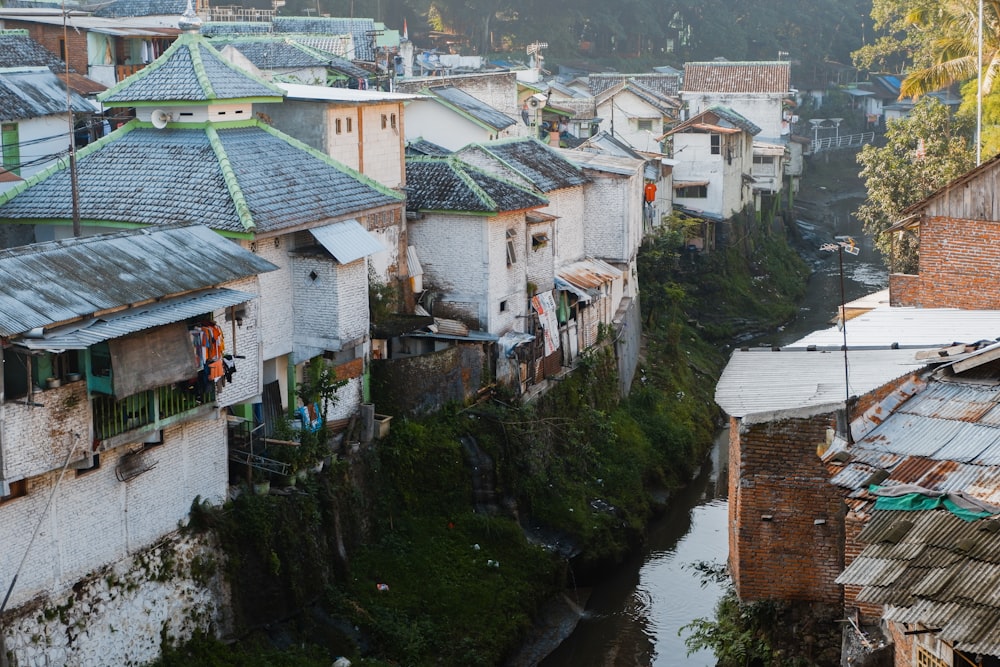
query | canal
[636, 618]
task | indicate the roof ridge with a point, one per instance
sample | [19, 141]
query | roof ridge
[453, 163]
[229, 176]
[199, 71]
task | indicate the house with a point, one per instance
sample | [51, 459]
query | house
[285, 58]
[605, 279]
[955, 226]
[122, 439]
[470, 230]
[755, 90]
[635, 114]
[36, 117]
[362, 129]
[197, 153]
[452, 118]
[107, 50]
[713, 154]
[555, 233]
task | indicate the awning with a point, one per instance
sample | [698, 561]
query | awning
[688, 184]
[587, 276]
[82, 335]
[565, 286]
[347, 241]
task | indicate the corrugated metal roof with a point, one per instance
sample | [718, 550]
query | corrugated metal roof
[34, 92]
[47, 283]
[760, 380]
[475, 108]
[301, 91]
[589, 274]
[121, 323]
[942, 573]
[347, 241]
[908, 327]
[611, 164]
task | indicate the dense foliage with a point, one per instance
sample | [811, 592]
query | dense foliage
[921, 153]
[662, 32]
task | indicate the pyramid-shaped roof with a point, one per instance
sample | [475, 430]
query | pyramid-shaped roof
[448, 184]
[191, 70]
[243, 178]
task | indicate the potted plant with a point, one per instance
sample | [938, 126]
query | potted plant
[261, 482]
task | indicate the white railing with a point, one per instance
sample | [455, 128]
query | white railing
[843, 141]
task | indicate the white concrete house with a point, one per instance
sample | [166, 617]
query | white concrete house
[634, 114]
[34, 119]
[452, 118]
[122, 441]
[714, 159]
[755, 90]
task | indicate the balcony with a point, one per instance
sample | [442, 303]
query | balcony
[147, 411]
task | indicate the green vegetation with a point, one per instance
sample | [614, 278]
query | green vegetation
[397, 557]
[921, 154]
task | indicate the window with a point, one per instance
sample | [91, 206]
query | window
[17, 490]
[692, 192]
[716, 142]
[511, 250]
[11, 147]
[337, 124]
[392, 121]
[927, 659]
[645, 125]
[350, 122]
[539, 240]
[503, 306]
[385, 121]
[763, 159]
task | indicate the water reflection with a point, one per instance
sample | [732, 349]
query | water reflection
[633, 618]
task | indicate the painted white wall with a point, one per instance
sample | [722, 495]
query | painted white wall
[42, 142]
[434, 122]
[621, 114]
[762, 109]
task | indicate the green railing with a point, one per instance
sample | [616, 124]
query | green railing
[113, 417]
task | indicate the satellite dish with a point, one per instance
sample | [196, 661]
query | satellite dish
[533, 102]
[159, 118]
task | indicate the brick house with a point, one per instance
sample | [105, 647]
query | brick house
[957, 227]
[127, 438]
[204, 157]
[102, 48]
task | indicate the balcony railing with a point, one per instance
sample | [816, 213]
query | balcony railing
[113, 417]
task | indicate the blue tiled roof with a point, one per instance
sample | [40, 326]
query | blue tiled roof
[478, 109]
[33, 92]
[737, 120]
[359, 29]
[423, 147]
[240, 179]
[448, 184]
[191, 70]
[19, 50]
[126, 8]
[537, 163]
[275, 52]
[233, 28]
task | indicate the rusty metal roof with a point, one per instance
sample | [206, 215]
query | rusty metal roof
[45, 284]
[589, 274]
[942, 573]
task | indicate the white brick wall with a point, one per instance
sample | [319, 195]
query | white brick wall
[613, 229]
[332, 308]
[276, 311]
[95, 519]
[569, 204]
[36, 438]
[540, 269]
[382, 147]
[242, 340]
[465, 261]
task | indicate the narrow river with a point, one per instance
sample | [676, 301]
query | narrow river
[636, 618]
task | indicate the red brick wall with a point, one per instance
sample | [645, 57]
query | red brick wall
[904, 289]
[775, 471]
[959, 264]
[50, 36]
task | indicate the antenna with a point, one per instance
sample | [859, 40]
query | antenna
[159, 118]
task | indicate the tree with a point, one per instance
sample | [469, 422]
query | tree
[921, 154]
[954, 48]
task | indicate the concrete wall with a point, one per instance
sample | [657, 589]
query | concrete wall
[778, 493]
[613, 227]
[499, 90]
[762, 109]
[420, 385]
[120, 613]
[434, 122]
[125, 516]
[40, 139]
[620, 116]
[569, 205]
[695, 162]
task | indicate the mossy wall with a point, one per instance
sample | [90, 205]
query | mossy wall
[423, 385]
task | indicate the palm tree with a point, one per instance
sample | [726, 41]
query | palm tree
[955, 48]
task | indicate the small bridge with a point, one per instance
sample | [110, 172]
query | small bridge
[843, 141]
